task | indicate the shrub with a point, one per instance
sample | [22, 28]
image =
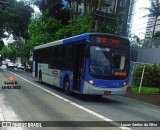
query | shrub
[151, 75]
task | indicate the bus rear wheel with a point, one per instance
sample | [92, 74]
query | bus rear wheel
[66, 87]
[40, 76]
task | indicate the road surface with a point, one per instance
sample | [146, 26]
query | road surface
[43, 102]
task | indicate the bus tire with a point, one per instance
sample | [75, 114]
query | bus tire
[40, 76]
[66, 86]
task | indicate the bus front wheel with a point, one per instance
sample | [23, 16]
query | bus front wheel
[66, 87]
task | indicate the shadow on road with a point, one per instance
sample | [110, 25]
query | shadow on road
[84, 98]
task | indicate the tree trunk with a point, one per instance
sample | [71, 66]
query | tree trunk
[115, 6]
[85, 7]
[97, 23]
[154, 27]
[69, 3]
[77, 1]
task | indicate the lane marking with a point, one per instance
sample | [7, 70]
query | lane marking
[74, 104]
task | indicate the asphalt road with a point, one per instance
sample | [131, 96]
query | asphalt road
[43, 102]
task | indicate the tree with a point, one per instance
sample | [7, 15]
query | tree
[136, 42]
[23, 51]
[154, 12]
[9, 52]
[15, 18]
[42, 30]
[54, 9]
[1, 44]
[76, 26]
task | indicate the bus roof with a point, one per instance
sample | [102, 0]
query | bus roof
[84, 36]
[80, 37]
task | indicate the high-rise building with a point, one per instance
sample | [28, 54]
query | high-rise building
[150, 26]
[114, 6]
[152, 22]
[130, 16]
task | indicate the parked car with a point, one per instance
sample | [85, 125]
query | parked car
[15, 65]
[28, 68]
[10, 65]
[20, 66]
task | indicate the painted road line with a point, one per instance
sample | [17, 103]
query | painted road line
[74, 104]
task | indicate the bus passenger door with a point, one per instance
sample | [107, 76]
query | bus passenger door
[79, 66]
[36, 69]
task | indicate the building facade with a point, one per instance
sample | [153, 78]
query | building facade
[132, 6]
[150, 26]
[151, 23]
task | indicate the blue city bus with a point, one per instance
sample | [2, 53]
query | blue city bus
[90, 63]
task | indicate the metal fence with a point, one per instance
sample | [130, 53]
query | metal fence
[151, 42]
[133, 67]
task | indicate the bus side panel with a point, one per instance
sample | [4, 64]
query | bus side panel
[33, 68]
[50, 76]
[86, 78]
[69, 74]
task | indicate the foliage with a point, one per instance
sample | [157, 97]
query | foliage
[9, 53]
[1, 44]
[76, 26]
[157, 34]
[54, 9]
[154, 12]
[43, 30]
[153, 9]
[136, 42]
[145, 89]
[23, 51]
[151, 75]
[51, 6]
[15, 18]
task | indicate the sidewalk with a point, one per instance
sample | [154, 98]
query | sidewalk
[149, 98]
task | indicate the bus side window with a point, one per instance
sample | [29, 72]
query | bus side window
[68, 61]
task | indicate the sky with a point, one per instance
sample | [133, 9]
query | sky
[139, 23]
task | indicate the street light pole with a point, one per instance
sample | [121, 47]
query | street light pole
[141, 79]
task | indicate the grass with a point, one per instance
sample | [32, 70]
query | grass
[146, 89]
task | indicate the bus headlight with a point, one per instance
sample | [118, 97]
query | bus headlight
[91, 82]
[125, 83]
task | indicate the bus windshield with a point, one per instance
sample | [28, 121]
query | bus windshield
[108, 62]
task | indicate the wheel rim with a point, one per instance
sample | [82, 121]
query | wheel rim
[66, 87]
[40, 77]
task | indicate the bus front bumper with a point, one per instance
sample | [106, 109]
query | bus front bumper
[94, 90]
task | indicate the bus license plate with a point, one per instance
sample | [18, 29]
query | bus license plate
[107, 93]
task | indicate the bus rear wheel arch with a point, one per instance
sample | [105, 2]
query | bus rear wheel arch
[40, 76]
[66, 85]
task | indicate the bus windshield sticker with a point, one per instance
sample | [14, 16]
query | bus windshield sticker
[122, 63]
[120, 74]
[102, 49]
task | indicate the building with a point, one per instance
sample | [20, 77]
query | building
[151, 23]
[114, 6]
[150, 26]
[130, 16]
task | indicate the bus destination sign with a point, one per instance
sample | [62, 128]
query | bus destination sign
[108, 41]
